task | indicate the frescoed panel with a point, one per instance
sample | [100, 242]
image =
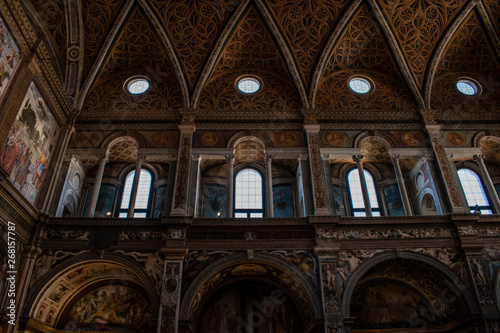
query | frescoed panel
[30, 145]
[215, 201]
[394, 202]
[338, 201]
[283, 201]
[9, 55]
[160, 194]
[105, 200]
[110, 308]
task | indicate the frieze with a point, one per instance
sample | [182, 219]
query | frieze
[65, 234]
[390, 233]
[319, 190]
[141, 235]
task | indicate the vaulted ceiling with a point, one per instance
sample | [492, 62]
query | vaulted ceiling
[304, 51]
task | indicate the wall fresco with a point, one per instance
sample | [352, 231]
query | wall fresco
[283, 201]
[9, 55]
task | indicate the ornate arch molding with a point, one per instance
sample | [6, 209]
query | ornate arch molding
[378, 259]
[43, 286]
[422, 194]
[285, 51]
[42, 32]
[441, 49]
[103, 52]
[216, 51]
[241, 258]
[238, 137]
[74, 66]
[171, 53]
[385, 139]
[397, 53]
[328, 48]
[113, 139]
[149, 167]
[485, 136]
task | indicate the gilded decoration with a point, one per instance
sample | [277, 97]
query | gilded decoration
[306, 26]
[52, 14]
[137, 50]
[194, 27]
[469, 54]
[336, 139]
[209, 139]
[455, 138]
[413, 139]
[418, 25]
[491, 151]
[319, 190]
[182, 177]
[363, 51]
[374, 150]
[250, 50]
[493, 8]
[160, 139]
[98, 16]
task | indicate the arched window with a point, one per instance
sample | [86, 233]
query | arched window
[248, 197]
[474, 191]
[357, 203]
[142, 197]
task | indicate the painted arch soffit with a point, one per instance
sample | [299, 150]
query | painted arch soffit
[362, 50]
[469, 54]
[137, 50]
[250, 50]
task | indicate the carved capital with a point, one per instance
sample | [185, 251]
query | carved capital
[358, 158]
[478, 157]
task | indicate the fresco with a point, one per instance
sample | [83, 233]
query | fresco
[283, 201]
[160, 194]
[390, 305]
[9, 55]
[105, 200]
[30, 145]
[393, 199]
[338, 201]
[214, 201]
[111, 307]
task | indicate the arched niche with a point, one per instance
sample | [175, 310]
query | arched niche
[89, 291]
[428, 205]
[282, 287]
[412, 291]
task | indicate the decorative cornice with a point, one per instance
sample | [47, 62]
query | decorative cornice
[327, 50]
[286, 52]
[216, 51]
[441, 48]
[398, 54]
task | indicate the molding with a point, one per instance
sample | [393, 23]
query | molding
[336, 153]
[490, 29]
[217, 49]
[285, 51]
[75, 42]
[440, 49]
[407, 153]
[398, 54]
[327, 49]
[462, 153]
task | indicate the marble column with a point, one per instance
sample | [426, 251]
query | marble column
[401, 184]
[316, 167]
[103, 159]
[135, 185]
[479, 158]
[230, 185]
[182, 181]
[269, 185]
[364, 188]
[448, 172]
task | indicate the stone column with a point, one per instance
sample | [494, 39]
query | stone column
[269, 185]
[194, 189]
[168, 317]
[479, 158]
[401, 183]
[230, 185]
[180, 199]
[364, 188]
[103, 159]
[135, 185]
[316, 167]
[448, 172]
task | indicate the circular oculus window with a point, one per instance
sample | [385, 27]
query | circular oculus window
[360, 85]
[248, 85]
[467, 87]
[137, 85]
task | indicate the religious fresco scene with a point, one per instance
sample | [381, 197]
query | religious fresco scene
[262, 166]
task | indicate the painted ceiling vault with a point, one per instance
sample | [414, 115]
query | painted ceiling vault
[304, 52]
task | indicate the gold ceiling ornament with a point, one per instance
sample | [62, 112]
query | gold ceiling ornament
[418, 26]
[250, 50]
[136, 51]
[469, 54]
[361, 51]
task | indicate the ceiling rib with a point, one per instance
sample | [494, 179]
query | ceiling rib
[75, 40]
[328, 48]
[490, 30]
[441, 48]
[397, 53]
[285, 51]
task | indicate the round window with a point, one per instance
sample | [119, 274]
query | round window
[467, 87]
[137, 85]
[248, 85]
[360, 85]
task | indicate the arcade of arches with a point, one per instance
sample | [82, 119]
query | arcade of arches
[261, 166]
